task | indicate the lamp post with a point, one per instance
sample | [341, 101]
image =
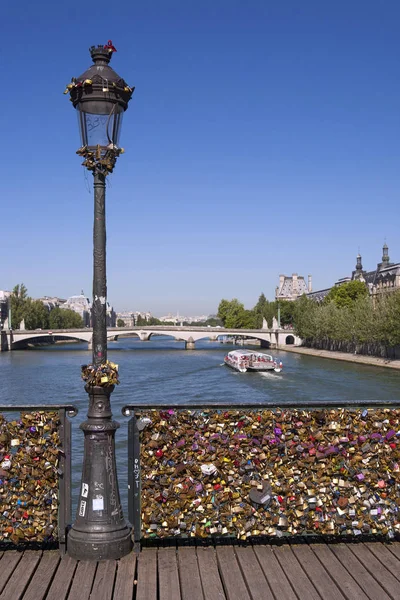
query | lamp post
[100, 97]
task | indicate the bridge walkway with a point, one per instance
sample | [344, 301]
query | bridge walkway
[369, 571]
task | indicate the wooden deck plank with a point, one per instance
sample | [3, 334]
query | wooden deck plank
[41, 580]
[318, 575]
[234, 583]
[8, 562]
[147, 575]
[274, 573]
[394, 549]
[19, 580]
[343, 579]
[103, 584]
[125, 581]
[383, 554]
[168, 576]
[83, 580]
[350, 571]
[293, 571]
[254, 575]
[62, 579]
[377, 570]
[358, 572]
[189, 575]
[209, 575]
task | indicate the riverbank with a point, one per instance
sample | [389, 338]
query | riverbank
[374, 361]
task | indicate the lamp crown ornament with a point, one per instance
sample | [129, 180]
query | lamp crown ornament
[102, 53]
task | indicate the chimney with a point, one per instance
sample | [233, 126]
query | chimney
[309, 284]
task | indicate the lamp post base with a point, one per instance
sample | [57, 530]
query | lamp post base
[99, 531]
[83, 545]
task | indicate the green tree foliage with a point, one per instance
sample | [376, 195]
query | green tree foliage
[234, 316]
[18, 300]
[264, 309]
[346, 294]
[287, 312]
[60, 318]
[36, 315]
[155, 321]
[120, 323]
[223, 310]
[354, 323]
[213, 322]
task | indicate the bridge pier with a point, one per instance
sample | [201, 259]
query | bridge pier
[90, 345]
[4, 344]
[190, 345]
[144, 337]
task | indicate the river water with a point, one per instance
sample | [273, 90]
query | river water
[161, 371]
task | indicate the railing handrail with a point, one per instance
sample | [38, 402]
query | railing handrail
[126, 410]
[69, 408]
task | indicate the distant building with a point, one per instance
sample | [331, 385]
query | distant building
[111, 316]
[171, 319]
[51, 302]
[385, 278]
[130, 318]
[127, 317]
[81, 305]
[144, 315]
[292, 287]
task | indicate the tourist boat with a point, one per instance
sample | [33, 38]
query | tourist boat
[247, 360]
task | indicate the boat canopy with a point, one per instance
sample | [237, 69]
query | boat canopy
[248, 354]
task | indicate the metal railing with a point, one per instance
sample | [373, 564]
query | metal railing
[32, 443]
[352, 412]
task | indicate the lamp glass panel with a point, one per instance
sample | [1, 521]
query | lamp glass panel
[99, 127]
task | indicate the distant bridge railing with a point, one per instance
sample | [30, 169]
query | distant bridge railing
[188, 334]
[35, 474]
[220, 472]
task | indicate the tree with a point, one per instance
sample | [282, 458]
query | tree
[287, 312]
[64, 318]
[234, 316]
[346, 294]
[264, 309]
[18, 300]
[36, 315]
[223, 309]
[213, 322]
[120, 323]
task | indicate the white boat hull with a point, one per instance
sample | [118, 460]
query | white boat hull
[251, 361]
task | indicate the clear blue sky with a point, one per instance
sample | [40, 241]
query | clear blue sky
[262, 138]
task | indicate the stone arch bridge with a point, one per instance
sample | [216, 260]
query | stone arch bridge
[274, 338]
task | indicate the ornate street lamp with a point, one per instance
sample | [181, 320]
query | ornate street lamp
[100, 97]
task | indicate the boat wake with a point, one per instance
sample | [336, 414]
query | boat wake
[269, 374]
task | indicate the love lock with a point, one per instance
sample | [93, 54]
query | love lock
[209, 469]
[262, 496]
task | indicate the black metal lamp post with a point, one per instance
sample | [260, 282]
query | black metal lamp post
[100, 97]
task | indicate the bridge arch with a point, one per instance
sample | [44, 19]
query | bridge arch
[289, 340]
[21, 341]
